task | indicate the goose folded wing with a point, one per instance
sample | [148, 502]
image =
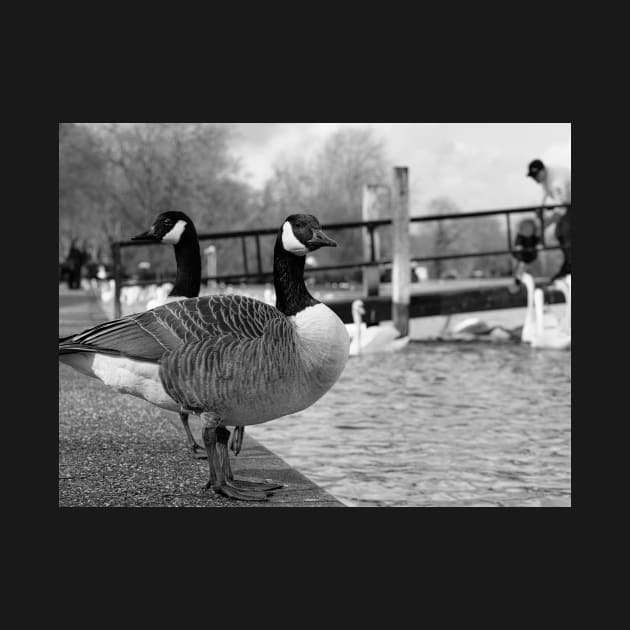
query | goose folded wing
[149, 335]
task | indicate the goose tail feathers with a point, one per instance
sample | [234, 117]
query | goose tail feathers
[68, 346]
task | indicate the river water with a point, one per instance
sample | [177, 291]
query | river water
[438, 424]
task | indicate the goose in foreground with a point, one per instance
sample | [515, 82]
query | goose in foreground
[233, 360]
[370, 339]
[177, 229]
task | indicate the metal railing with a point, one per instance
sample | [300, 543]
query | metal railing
[371, 226]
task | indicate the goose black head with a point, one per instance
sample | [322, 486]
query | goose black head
[302, 233]
[169, 228]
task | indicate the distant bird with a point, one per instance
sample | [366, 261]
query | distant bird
[129, 295]
[564, 285]
[159, 295]
[474, 329]
[534, 318]
[370, 339]
[231, 359]
[107, 290]
[553, 336]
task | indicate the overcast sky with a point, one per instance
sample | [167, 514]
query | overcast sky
[478, 165]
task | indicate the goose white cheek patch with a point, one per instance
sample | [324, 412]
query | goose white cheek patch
[175, 234]
[290, 242]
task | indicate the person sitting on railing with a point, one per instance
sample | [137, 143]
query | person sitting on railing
[526, 247]
[556, 183]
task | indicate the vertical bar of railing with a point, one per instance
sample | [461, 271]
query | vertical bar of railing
[509, 231]
[371, 229]
[116, 259]
[258, 258]
[541, 215]
[244, 244]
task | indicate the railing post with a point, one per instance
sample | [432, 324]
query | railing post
[210, 253]
[244, 244]
[401, 269]
[371, 240]
[116, 260]
[258, 258]
[541, 215]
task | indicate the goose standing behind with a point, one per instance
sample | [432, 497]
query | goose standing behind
[177, 229]
[231, 359]
[371, 339]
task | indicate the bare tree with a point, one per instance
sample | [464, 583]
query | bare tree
[114, 179]
[330, 186]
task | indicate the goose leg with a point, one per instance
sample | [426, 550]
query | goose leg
[216, 446]
[199, 452]
[237, 439]
[223, 435]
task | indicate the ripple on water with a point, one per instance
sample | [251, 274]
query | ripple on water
[438, 424]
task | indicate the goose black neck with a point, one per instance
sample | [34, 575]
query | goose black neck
[188, 257]
[292, 296]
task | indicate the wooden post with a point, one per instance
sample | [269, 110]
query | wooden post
[371, 275]
[210, 253]
[400, 245]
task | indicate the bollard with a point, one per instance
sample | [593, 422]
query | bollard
[400, 245]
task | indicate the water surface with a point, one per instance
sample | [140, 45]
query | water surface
[445, 424]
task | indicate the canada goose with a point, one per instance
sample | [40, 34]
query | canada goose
[370, 339]
[177, 229]
[232, 360]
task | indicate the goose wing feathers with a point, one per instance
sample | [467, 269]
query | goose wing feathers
[149, 335]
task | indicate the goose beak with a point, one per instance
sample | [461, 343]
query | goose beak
[145, 236]
[319, 239]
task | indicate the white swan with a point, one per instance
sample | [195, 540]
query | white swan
[370, 339]
[564, 285]
[160, 295]
[529, 325]
[476, 329]
[547, 336]
[540, 329]
[107, 290]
